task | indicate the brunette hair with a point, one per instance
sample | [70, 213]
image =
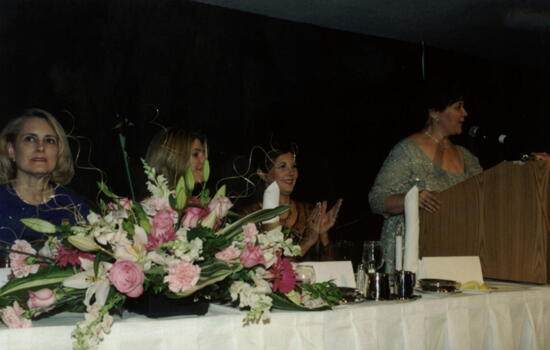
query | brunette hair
[169, 152]
[64, 169]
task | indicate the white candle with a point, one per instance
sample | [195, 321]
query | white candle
[399, 252]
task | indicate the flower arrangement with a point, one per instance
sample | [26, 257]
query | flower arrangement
[171, 244]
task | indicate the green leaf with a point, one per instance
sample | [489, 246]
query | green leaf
[143, 219]
[232, 230]
[282, 302]
[181, 195]
[103, 188]
[39, 225]
[221, 192]
[46, 276]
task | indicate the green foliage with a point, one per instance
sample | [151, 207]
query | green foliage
[212, 243]
[105, 190]
[281, 302]
[328, 291]
[99, 257]
[46, 277]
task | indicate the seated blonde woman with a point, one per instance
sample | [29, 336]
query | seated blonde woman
[35, 163]
[172, 151]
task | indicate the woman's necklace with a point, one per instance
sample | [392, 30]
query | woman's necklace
[439, 143]
[45, 198]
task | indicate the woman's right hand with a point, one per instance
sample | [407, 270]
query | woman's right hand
[428, 200]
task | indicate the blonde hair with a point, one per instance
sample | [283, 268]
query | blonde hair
[169, 152]
[64, 169]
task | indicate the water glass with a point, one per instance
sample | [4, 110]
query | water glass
[305, 273]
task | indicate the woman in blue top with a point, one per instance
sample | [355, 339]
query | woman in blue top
[35, 160]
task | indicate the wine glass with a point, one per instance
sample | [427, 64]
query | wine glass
[305, 273]
[372, 256]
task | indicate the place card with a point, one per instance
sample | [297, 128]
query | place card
[341, 272]
[457, 268]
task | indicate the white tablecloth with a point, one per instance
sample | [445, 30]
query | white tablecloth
[515, 319]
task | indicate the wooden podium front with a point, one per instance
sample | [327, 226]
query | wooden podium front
[500, 215]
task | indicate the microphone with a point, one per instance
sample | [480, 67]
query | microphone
[480, 133]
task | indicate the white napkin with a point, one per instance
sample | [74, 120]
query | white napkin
[412, 231]
[271, 200]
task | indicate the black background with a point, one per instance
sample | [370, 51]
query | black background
[345, 99]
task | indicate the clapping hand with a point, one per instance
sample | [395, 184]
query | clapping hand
[321, 220]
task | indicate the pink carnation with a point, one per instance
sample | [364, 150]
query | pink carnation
[127, 278]
[193, 213]
[41, 299]
[182, 276]
[252, 255]
[11, 316]
[250, 231]
[228, 254]
[17, 261]
[283, 275]
[65, 257]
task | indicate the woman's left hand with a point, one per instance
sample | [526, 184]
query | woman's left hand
[324, 220]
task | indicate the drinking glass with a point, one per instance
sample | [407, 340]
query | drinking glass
[305, 273]
[372, 256]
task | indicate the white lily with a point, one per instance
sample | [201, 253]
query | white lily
[98, 285]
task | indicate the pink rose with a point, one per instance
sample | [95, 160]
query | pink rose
[193, 213]
[11, 316]
[127, 278]
[182, 276]
[252, 255]
[125, 203]
[250, 231]
[228, 254]
[17, 261]
[41, 299]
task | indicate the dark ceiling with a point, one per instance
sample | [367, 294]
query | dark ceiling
[509, 31]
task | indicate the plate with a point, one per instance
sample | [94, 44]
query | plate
[440, 293]
[351, 296]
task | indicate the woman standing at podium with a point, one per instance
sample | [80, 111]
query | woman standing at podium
[427, 158]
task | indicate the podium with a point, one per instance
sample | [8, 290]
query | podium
[500, 215]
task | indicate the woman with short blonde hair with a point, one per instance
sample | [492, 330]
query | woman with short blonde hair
[35, 161]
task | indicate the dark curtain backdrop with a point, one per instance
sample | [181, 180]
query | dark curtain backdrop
[343, 98]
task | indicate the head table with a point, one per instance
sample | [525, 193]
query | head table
[513, 317]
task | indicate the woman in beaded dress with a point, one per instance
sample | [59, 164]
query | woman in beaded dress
[428, 159]
[308, 224]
